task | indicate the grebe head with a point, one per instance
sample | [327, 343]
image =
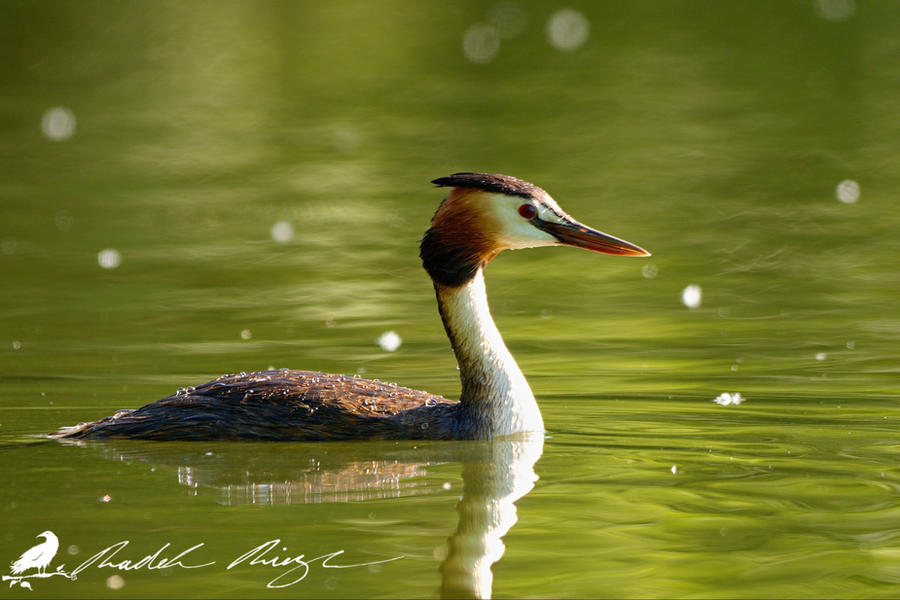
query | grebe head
[485, 214]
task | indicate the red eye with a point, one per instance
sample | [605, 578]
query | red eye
[527, 211]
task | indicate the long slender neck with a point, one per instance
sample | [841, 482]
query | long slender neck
[495, 398]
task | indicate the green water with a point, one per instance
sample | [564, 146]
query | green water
[714, 134]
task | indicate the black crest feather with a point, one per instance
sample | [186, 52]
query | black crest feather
[501, 184]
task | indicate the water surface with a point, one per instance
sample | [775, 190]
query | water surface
[717, 135]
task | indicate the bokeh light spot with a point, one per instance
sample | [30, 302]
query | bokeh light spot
[58, 124]
[282, 232]
[567, 29]
[847, 191]
[63, 220]
[389, 341]
[481, 43]
[692, 296]
[835, 10]
[109, 258]
[507, 18]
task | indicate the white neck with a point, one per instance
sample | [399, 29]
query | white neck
[495, 396]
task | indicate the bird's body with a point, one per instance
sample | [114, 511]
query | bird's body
[283, 405]
[37, 557]
[482, 215]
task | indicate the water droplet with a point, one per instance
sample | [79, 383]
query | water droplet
[424, 425]
[649, 271]
[728, 399]
[430, 402]
[246, 334]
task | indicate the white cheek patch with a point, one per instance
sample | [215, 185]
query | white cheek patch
[513, 231]
[549, 211]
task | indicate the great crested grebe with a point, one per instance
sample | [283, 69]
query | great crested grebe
[482, 215]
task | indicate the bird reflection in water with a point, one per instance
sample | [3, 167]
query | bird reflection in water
[495, 474]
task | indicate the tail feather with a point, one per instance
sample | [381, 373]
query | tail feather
[20, 566]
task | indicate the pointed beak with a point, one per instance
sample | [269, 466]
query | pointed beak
[573, 233]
